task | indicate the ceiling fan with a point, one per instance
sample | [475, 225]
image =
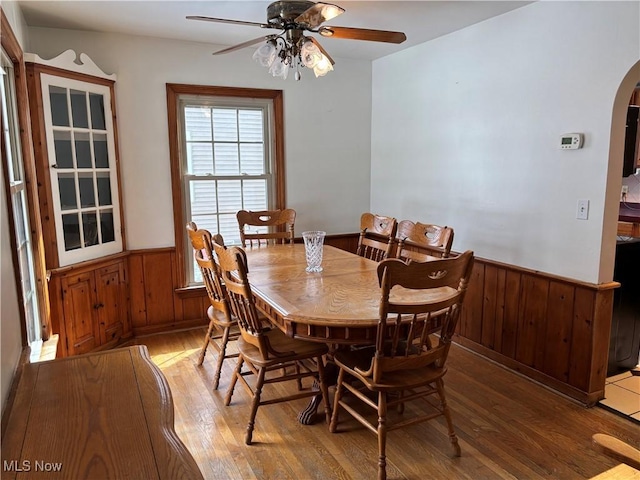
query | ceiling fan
[291, 48]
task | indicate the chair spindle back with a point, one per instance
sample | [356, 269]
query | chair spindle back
[377, 236]
[418, 240]
[418, 299]
[265, 220]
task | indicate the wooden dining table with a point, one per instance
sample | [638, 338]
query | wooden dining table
[339, 305]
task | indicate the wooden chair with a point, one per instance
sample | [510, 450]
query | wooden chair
[265, 351]
[617, 449]
[418, 240]
[377, 236]
[222, 326]
[407, 362]
[266, 221]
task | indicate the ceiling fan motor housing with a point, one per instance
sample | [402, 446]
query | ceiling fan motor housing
[284, 11]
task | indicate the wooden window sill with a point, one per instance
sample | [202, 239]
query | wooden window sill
[190, 292]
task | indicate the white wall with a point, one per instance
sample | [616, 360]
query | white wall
[16, 19]
[10, 334]
[477, 117]
[327, 126]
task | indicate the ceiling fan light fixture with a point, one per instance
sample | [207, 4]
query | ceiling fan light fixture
[291, 49]
[280, 54]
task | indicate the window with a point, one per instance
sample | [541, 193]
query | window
[84, 185]
[226, 149]
[18, 202]
[227, 165]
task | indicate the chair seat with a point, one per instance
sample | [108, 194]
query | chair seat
[294, 349]
[390, 381]
[219, 319]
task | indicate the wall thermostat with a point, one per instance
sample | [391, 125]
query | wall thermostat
[571, 141]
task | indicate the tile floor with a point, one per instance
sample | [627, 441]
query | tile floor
[622, 394]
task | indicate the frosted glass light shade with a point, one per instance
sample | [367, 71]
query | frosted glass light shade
[310, 54]
[265, 54]
[322, 67]
[279, 69]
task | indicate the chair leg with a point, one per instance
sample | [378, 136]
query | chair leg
[222, 352]
[234, 379]
[336, 402]
[447, 415]
[382, 435]
[254, 405]
[207, 339]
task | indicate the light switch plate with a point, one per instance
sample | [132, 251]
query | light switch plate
[582, 212]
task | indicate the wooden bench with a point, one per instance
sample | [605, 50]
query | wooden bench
[96, 416]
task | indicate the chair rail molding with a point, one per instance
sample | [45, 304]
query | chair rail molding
[70, 60]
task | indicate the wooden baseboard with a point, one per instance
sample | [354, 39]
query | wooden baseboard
[167, 327]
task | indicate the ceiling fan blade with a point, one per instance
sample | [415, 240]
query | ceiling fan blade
[234, 22]
[324, 52]
[242, 45]
[363, 34]
[318, 14]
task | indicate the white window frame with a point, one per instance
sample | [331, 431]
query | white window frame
[101, 249]
[17, 189]
[264, 104]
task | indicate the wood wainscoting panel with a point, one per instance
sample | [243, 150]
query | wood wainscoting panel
[561, 301]
[552, 329]
[155, 305]
[159, 286]
[493, 306]
[136, 291]
[509, 333]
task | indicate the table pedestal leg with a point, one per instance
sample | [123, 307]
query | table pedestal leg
[308, 415]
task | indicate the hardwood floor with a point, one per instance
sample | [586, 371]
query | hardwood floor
[508, 427]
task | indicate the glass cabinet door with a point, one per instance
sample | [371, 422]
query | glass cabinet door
[81, 151]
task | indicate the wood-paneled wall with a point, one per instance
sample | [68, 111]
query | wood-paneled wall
[552, 329]
[156, 305]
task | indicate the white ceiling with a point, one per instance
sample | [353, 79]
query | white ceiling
[420, 20]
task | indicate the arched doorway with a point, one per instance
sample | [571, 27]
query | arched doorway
[622, 254]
